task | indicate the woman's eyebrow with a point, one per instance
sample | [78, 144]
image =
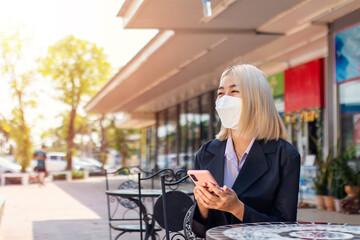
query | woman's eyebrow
[231, 86]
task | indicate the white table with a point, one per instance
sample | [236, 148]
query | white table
[24, 177]
[285, 231]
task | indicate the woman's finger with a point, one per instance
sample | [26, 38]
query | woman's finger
[203, 202]
[209, 194]
[205, 194]
[218, 192]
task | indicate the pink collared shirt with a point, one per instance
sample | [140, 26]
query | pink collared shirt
[231, 165]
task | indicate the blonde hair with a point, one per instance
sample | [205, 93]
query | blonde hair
[259, 117]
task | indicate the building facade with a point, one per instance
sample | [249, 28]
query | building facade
[169, 88]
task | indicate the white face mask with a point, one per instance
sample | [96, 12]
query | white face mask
[229, 110]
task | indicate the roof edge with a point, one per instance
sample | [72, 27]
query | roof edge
[155, 43]
[128, 10]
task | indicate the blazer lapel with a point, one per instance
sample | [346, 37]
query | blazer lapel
[216, 164]
[254, 167]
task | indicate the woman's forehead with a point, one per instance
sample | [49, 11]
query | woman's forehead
[226, 81]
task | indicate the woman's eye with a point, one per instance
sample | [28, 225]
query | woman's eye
[220, 93]
[235, 91]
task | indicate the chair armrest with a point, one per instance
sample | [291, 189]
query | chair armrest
[189, 234]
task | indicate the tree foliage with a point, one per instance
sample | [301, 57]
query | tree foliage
[58, 134]
[12, 65]
[119, 139]
[78, 67]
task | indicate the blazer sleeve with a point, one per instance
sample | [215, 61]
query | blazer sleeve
[199, 225]
[285, 201]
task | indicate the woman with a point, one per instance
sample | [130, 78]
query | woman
[257, 169]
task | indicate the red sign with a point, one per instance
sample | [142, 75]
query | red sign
[304, 86]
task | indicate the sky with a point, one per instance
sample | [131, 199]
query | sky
[52, 20]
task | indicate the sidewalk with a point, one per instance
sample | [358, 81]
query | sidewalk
[60, 210]
[77, 210]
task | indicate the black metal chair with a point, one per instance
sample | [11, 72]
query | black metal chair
[171, 208]
[189, 234]
[140, 221]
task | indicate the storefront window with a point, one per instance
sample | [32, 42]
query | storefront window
[217, 122]
[150, 147]
[184, 157]
[192, 119]
[205, 105]
[193, 123]
[171, 138]
[162, 143]
[350, 115]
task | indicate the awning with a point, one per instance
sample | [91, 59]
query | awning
[187, 56]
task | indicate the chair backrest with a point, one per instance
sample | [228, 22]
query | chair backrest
[149, 219]
[130, 183]
[114, 212]
[120, 171]
[170, 209]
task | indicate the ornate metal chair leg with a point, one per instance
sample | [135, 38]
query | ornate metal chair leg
[110, 232]
[119, 235]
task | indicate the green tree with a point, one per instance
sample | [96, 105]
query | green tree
[12, 65]
[58, 135]
[118, 139]
[78, 67]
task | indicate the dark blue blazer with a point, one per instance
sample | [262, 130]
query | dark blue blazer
[267, 184]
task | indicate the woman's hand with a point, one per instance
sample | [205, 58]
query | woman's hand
[223, 199]
[202, 209]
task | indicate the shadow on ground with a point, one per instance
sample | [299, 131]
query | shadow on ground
[70, 229]
[90, 194]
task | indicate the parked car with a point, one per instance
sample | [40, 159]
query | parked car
[6, 166]
[56, 161]
[172, 161]
[85, 163]
[166, 161]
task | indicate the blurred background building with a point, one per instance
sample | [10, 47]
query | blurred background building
[310, 50]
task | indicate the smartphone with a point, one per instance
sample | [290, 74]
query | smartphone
[201, 176]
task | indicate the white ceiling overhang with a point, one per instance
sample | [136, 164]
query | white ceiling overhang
[138, 120]
[188, 54]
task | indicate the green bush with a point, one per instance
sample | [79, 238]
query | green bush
[321, 180]
[77, 175]
[124, 171]
[59, 177]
